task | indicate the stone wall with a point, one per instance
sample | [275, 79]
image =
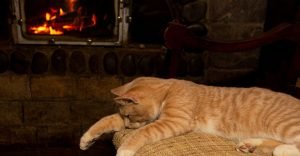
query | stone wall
[233, 20]
[52, 110]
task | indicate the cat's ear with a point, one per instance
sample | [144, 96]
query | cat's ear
[125, 100]
[119, 91]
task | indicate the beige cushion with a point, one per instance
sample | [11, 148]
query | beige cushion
[191, 144]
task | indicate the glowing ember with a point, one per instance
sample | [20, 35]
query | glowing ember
[70, 27]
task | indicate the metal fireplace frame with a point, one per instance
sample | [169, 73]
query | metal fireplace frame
[121, 28]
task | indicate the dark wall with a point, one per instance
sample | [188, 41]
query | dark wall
[275, 59]
[4, 27]
[281, 11]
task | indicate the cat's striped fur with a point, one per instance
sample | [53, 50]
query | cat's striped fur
[163, 108]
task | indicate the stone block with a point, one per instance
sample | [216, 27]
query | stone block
[14, 87]
[88, 112]
[231, 31]
[42, 136]
[50, 87]
[237, 11]
[238, 60]
[59, 135]
[215, 75]
[5, 137]
[23, 135]
[96, 87]
[10, 113]
[47, 113]
[194, 11]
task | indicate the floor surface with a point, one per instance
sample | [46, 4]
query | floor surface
[98, 149]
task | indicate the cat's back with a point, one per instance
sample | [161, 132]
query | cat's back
[252, 99]
[268, 97]
[251, 94]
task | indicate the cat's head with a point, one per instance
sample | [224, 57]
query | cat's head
[140, 100]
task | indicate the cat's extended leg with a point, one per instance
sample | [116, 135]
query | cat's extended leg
[105, 125]
[249, 145]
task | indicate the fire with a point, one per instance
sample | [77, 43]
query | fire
[71, 5]
[61, 12]
[48, 16]
[55, 32]
[53, 26]
[94, 19]
[69, 27]
[46, 28]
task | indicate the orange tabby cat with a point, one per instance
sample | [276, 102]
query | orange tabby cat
[163, 108]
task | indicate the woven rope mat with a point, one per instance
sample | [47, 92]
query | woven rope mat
[191, 144]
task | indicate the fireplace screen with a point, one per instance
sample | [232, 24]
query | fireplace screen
[78, 22]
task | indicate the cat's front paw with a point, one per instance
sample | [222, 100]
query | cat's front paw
[245, 148]
[248, 145]
[125, 152]
[86, 141]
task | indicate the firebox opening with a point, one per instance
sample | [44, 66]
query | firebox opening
[79, 18]
[70, 19]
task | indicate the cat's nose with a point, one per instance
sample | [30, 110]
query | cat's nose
[124, 114]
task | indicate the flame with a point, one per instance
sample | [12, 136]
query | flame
[55, 32]
[45, 29]
[48, 16]
[94, 19]
[39, 29]
[61, 12]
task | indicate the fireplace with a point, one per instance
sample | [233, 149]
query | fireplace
[49, 83]
[70, 22]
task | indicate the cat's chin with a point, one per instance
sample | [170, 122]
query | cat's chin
[135, 125]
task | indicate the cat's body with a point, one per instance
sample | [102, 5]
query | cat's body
[163, 108]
